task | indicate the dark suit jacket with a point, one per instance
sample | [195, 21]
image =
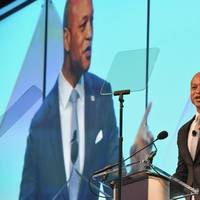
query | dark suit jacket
[44, 172]
[188, 170]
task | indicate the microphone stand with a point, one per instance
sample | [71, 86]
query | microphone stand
[121, 94]
[162, 135]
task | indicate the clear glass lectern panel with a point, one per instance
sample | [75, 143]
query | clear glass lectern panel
[178, 189]
[94, 185]
[128, 70]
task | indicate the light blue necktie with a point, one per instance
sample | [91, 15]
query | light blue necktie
[74, 181]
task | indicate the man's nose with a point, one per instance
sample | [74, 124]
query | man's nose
[89, 31]
[198, 89]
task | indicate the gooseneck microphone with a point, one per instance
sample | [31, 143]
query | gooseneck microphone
[162, 135]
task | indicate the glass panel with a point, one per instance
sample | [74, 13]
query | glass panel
[128, 70]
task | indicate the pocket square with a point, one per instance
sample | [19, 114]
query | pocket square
[99, 136]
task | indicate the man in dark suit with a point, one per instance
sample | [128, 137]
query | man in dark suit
[55, 157]
[188, 168]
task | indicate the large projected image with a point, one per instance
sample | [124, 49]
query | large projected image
[49, 146]
[80, 138]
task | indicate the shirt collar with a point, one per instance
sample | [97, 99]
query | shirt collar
[65, 89]
[197, 116]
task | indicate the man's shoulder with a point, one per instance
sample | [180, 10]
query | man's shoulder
[185, 127]
[97, 83]
[43, 113]
[94, 78]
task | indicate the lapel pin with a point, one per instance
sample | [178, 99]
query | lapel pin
[92, 98]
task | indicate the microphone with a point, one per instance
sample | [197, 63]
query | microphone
[149, 159]
[151, 155]
[162, 135]
[105, 169]
[194, 133]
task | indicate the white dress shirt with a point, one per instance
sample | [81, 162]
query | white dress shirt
[65, 106]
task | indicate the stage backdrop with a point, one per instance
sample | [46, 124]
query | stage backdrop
[119, 26]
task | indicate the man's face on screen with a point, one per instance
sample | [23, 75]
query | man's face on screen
[80, 30]
[195, 91]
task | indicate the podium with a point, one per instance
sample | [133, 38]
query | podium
[143, 186]
[146, 185]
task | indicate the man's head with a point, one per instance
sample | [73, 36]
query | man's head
[195, 91]
[78, 33]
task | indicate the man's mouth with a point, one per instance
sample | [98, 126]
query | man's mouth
[88, 52]
[197, 98]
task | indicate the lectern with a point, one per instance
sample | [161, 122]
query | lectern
[146, 185]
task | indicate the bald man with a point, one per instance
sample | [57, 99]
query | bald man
[188, 167]
[74, 133]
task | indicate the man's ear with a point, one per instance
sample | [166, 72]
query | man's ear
[66, 39]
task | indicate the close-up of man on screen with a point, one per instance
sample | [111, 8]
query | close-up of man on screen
[74, 132]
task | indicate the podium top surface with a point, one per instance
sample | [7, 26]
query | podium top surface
[138, 176]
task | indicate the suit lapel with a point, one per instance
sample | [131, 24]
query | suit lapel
[197, 157]
[55, 131]
[90, 129]
[185, 145]
[184, 141]
[90, 120]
